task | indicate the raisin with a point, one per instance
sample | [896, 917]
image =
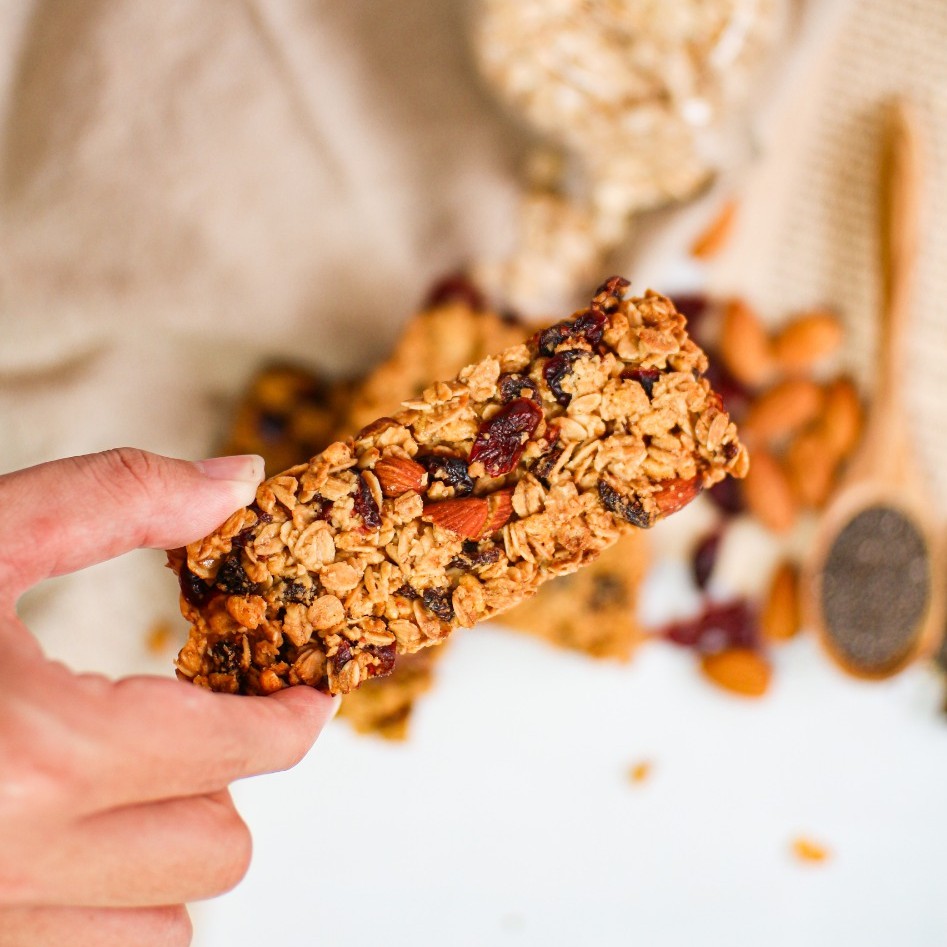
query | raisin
[438, 601]
[500, 442]
[608, 591]
[456, 287]
[299, 592]
[365, 505]
[451, 471]
[227, 656]
[472, 555]
[557, 368]
[590, 326]
[628, 508]
[511, 386]
[232, 577]
[407, 591]
[544, 465]
[386, 659]
[194, 589]
[705, 558]
[730, 450]
[646, 377]
[614, 286]
[719, 627]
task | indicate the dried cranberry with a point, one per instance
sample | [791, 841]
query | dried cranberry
[500, 442]
[439, 602]
[386, 655]
[728, 496]
[628, 508]
[705, 558]
[590, 326]
[365, 505]
[511, 386]
[473, 555]
[646, 377]
[693, 307]
[557, 368]
[718, 627]
[456, 287]
[194, 589]
[451, 471]
[232, 577]
[407, 591]
[343, 655]
[613, 286]
[227, 656]
[733, 394]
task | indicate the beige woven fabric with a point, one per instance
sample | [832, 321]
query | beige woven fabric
[809, 233]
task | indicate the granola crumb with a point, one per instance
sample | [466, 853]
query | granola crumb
[161, 637]
[804, 849]
[640, 772]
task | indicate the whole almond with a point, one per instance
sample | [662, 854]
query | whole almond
[779, 618]
[744, 344]
[712, 240]
[807, 340]
[466, 517]
[398, 475]
[673, 495]
[811, 467]
[842, 417]
[781, 410]
[500, 509]
[768, 494]
[738, 670]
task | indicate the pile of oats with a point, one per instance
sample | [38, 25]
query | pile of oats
[526, 466]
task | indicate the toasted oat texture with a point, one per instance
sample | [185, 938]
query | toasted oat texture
[526, 466]
[592, 610]
[383, 706]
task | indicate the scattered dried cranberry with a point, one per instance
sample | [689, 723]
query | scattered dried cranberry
[226, 656]
[557, 368]
[407, 591]
[194, 589]
[500, 442]
[705, 558]
[386, 655]
[511, 386]
[451, 471]
[456, 287]
[628, 508]
[232, 577]
[473, 555]
[365, 505]
[646, 377]
[439, 602]
[728, 496]
[719, 627]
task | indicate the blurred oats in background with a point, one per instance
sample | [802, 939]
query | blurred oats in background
[217, 225]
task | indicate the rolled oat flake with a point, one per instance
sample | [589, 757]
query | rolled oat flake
[876, 585]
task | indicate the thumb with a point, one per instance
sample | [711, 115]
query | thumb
[64, 515]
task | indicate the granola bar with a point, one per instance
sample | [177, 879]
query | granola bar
[526, 466]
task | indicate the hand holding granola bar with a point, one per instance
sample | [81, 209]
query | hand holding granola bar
[526, 466]
[112, 812]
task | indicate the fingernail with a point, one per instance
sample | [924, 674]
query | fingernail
[336, 707]
[243, 468]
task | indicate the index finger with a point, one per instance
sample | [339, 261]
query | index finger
[165, 738]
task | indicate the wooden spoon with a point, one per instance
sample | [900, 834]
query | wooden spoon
[885, 474]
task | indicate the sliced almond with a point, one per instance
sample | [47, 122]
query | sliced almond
[768, 494]
[466, 517]
[807, 340]
[713, 239]
[781, 410]
[779, 618]
[398, 475]
[811, 467]
[842, 417]
[738, 670]
[744, 344]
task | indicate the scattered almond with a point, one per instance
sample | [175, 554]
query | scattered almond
[466, 517]
[807, 340]
[779, 619]
[398, 475]
[768, 494]
[744, 344]
[808, 851]
[811, 468]
[712, 240]
[781, 410]
[738, 670]
[842, 417]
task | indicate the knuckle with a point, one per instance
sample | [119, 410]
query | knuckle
[172, 926]
[234, 849]
[130, 465]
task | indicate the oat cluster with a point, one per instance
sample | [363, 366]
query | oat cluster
[526, 466]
